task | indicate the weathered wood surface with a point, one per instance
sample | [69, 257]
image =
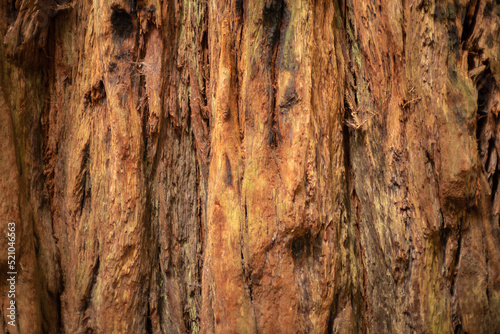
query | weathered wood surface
[241, 166]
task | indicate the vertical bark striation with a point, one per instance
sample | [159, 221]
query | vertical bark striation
[251, 166]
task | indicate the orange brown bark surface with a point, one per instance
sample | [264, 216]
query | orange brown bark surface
[269, 166]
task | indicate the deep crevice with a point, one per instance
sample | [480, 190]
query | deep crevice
[160, 300]
[487, 122]
[272, 16]
[470, 21]
[83, 188]
[459, 329]
[229, 175]
[149, 324]
[121, 23]
[239, 8]
[333, 313]
[272, 19]
[457, 257]
[484, 85]
[12, 12]
[300, 246]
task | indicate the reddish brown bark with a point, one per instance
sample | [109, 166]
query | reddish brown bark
[251, 166]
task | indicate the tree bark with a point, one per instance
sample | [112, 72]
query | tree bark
[272, 166]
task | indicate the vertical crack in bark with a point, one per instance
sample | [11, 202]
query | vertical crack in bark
[229, 175]
[246, 275]
[457, 257]
[470, 21]
[86, 192]
[332, 314]
[487, 124]
[149, 324]
[161, 300]
[272, 18]
[349, 294]
[82, 189]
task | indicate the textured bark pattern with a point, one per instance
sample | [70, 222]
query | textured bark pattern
[265, 166]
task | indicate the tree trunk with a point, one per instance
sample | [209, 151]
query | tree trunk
[272, 166]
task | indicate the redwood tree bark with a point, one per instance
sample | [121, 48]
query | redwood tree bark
[272, 166]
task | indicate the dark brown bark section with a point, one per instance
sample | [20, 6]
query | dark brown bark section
[251, 166]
